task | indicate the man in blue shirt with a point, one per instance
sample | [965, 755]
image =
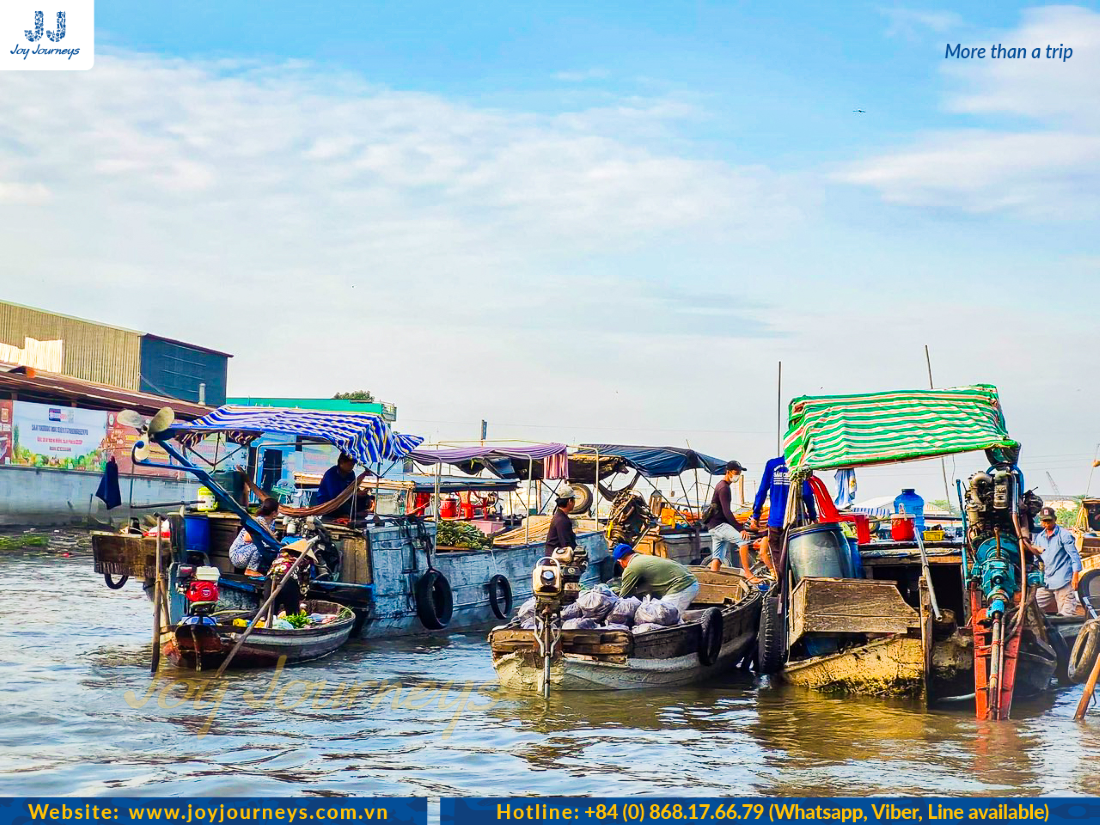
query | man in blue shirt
[335, 480]
[1061, 566]
[776, 486]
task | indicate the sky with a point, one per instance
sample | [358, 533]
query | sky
[583, 222]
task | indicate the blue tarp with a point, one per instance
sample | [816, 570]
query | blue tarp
[659, 462]
[366, 437]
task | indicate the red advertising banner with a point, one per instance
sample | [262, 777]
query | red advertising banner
[5, 432]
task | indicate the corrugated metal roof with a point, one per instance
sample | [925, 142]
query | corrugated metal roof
[33, 385]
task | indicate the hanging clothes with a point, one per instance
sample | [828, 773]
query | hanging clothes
[845, 487]
[108, 490]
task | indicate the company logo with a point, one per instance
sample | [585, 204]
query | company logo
[58, 414]
[58, 38]
[55, 36]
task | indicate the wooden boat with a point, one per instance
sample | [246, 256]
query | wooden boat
[621, 660]
[204, 646]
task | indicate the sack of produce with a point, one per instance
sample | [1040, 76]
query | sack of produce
[527, 623]
[655, 611]
[623, 611]
[571, 611]
[597, 603]
[647, 627]
[527, 611]
[615, 627]
[580, 624]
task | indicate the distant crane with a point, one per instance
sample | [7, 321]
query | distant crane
[1053, 486]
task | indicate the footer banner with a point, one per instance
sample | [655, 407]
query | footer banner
[207, 811]
[597, 811]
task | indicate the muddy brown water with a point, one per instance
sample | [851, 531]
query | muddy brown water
[422, 716]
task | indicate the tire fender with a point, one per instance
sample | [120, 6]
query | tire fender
[500, 596]
[712, 629]
[111, 583]
[1084, 652]
[771, 642]
[434, 600]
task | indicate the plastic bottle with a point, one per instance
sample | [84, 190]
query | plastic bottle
[911, 503]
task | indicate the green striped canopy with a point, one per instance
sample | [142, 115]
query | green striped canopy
[831, 431]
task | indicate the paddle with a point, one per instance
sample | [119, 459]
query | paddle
[263, 610]
[157, 601]
[1090, 686]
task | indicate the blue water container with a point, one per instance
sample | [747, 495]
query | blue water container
[820, 551]
[196, 534]
[914, 506]
[857, 559]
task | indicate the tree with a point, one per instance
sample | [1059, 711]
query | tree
[354, 395]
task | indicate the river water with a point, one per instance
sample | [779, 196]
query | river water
[82, 716]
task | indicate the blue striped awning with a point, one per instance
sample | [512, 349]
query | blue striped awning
[366, 437]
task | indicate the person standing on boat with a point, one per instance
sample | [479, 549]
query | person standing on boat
[243, 553]
[725, 530]
[655, 576]
[1061, 565]
[775, 486]
[561, 526]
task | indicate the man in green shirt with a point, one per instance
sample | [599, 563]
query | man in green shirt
[654, 576]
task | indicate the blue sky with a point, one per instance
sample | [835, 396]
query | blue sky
[581, 221]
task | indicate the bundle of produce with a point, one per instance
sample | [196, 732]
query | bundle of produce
[655, 611]
[461, 534]
[526, 614]
[580, 624]
[597, 603]
[647, 627]
[571, 611]
[623, 611]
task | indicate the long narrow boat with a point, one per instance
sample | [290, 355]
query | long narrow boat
[200, 646]
[918, 621]
[719, 634]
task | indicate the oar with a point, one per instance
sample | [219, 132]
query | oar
[270, 600]
[1090, 686]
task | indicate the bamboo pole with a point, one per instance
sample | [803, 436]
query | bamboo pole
[264, 609]
[943, 461]
[1090, 686]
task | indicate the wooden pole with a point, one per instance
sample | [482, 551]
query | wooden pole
[943, 462]
[264, 609]
[1090, 686]
[158, 600]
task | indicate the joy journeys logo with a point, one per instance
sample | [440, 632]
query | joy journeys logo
[40, 47]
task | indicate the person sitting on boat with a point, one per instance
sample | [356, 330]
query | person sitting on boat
[335, 481]
[561, 526]
[290, 597]
[1061, 566]
[775, 486]
[244, 553]
[724, 527]
[655, 576]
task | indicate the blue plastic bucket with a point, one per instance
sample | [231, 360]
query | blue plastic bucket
[196, 534]
[857, 559]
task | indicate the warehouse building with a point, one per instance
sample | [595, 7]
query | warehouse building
[122, 358]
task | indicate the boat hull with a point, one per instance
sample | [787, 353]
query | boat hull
[201, 647]
[885, 667]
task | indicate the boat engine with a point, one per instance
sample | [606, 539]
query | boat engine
[999, 516]
[199, 586]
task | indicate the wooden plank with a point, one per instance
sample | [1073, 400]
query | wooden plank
[909, 558]
[832, 606]
[925, 625]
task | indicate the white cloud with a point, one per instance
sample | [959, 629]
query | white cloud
[1050, 170]
[914, 24]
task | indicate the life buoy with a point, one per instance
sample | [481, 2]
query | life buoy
[111, 583]
[434, 600]
[500, 596]
[1084, 652]
[710, 636]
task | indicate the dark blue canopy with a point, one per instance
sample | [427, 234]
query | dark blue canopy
[659, 462]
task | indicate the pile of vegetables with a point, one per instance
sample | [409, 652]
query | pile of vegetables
[459, 534]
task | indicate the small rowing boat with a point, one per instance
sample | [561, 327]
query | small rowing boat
[200, 642]
[719, 632]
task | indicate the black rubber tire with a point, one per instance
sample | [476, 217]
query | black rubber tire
[1084, 652]
[1061, 651]
[583, 500]
[1088, 590]
[500, 591]
[771, 640]
[710, 641]
[111, 583]
[434, 600]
